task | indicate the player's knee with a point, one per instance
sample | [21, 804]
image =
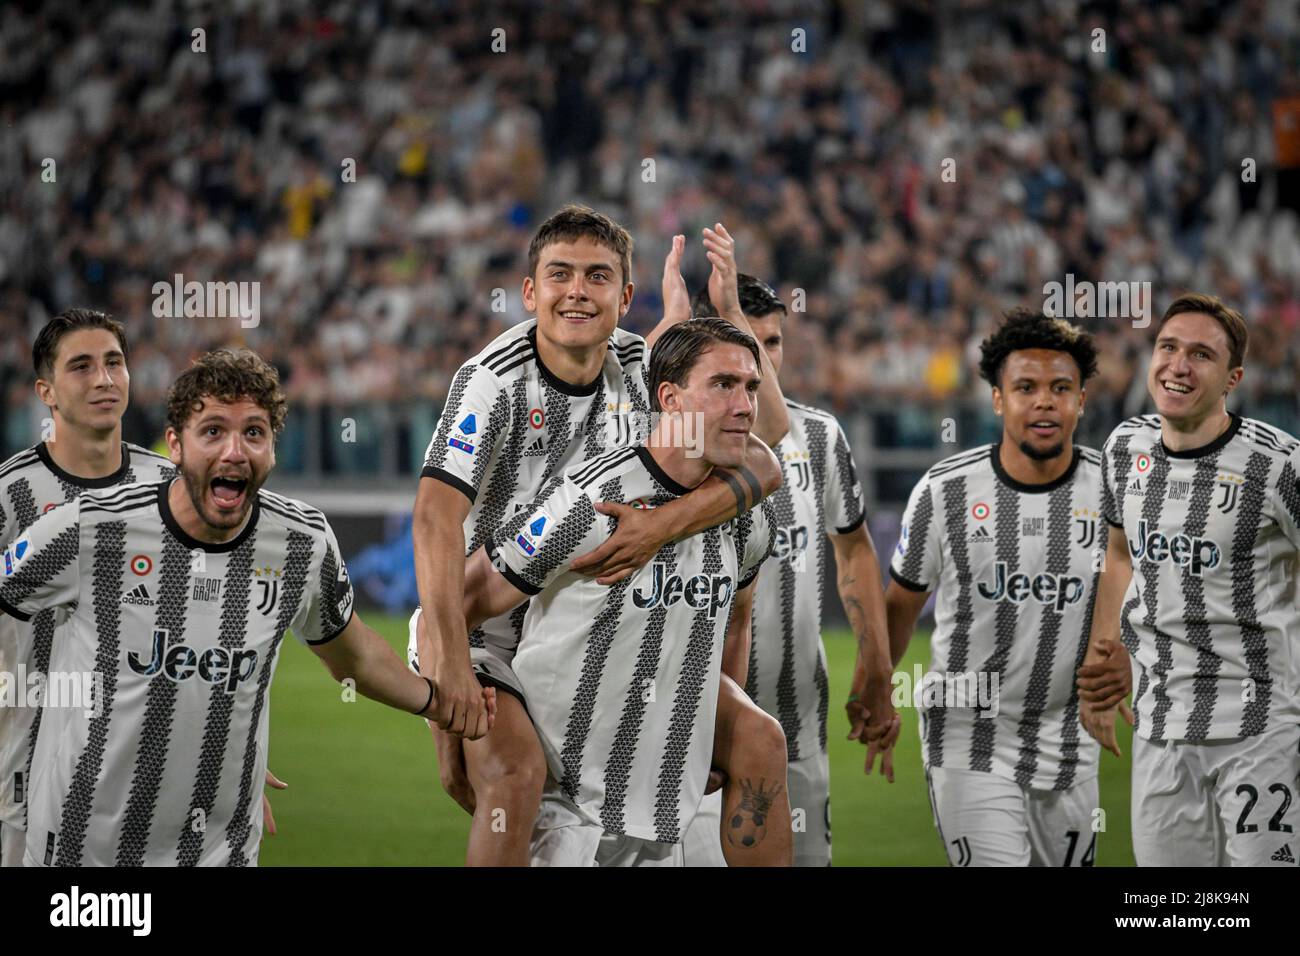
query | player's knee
[761, 740]
[517, 775]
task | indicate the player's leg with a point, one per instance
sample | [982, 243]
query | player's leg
[749, 746]
[1174, 819]
[506, 770]
[1062, 825]
[617, 849]
[982, 818]
[561, 837]
[701, 844]
[12, 845]
[810, 809]
[1257, 790]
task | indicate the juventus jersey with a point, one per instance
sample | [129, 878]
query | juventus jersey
[1016, 568]
[819, 494]
[166, 768]
[1210, 615]
[622, 681]
[510, 424]
[30, 485]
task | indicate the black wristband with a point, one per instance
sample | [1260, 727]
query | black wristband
[420, 712]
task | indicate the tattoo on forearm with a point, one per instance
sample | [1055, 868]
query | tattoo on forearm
[736, 490]
[755, 489]
[747, 822]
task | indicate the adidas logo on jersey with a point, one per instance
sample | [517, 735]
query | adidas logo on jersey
[1283, 855]
[536, 447]
[138, 595]
[981, 536]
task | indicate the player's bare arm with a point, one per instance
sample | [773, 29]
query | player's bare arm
[735, 648]
[1105, 671]
[773, 420]
[902, 609]
[359, 653]
[725, 494]
[439, 537]
[872, 717]
[677, 301]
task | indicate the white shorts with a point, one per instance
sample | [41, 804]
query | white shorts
[491, 663]
[988, 820]
[1218, 803]
[13, 843]
[809, 780]
[563, 838]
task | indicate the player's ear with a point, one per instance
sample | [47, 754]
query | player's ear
[173, 446]
[1234, 379]
[997, 400]
[529, 293]
[625, 301]
[45, 392]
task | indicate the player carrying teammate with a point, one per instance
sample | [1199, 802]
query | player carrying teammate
[1200, 587]
[1007, 534]
[178, 593]
[622, 681]
[80, 358]
[819, 498]
[547, 394]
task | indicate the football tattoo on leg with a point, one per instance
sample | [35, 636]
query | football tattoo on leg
[747, 823]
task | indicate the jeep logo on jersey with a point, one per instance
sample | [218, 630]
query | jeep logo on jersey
[1057, 590]
[180, 662]
[1192, 554]
[701, 591]
[791, 541]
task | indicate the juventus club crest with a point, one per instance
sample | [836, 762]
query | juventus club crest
[802, 474]
[268, 589]
[1228, 485]
[1085, 527]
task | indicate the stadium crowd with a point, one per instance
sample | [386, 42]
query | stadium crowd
[901, 173]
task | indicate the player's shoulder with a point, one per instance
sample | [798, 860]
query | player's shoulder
[21, 465]
[614, 463]
[509, 353]
[802, 414]
[1141, 428]
[1271, 441]
[148, 459]
[962, 463]
[121, 502]
[291, 513]
[1089, 458]
[628, 348]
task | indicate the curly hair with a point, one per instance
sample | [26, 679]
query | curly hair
[227, 375]
[1025, 329]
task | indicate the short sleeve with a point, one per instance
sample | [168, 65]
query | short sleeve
[1109, 508]
[758, 530]
[1287, 495]
[474, 421]
[842, 493]
[917, 558]
[538, 544]
[327, 607]
[42, 565]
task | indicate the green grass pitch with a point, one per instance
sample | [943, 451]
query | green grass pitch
[363, 779]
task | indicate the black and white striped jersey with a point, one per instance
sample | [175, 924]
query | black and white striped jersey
[509, 424]
[31, 483]
[622, 681]
[819, 494]
[1210, 616]
[1016, 568]
[167, 767]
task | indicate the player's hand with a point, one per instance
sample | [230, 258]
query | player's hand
[459, 702]
[1105, 678]
[636, 539]
[878, 736]
[451, 769]
[720, 250]
[717, 780]
[677, 301]
[1100, 724]
[268, 818]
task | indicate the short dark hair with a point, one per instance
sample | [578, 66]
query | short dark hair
[1026, 329]
[582, 222]
[757, 299]
[46, 346]
[227, 375]
[1232, 321]
[678, 349]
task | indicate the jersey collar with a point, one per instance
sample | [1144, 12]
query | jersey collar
[108, 481]
[659, 474]
[169, 519]
[995, 452]
[557, 383]
[1229, 433]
